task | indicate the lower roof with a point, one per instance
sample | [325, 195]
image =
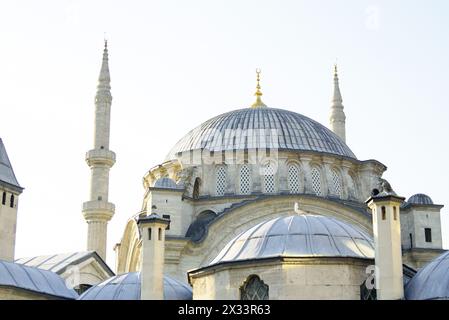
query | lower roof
[59, 262]
[34, 279]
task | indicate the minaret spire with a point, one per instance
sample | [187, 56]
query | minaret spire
[104, 80]
[337, 117]
[98, 210]
[258, 93]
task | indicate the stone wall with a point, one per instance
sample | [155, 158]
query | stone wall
[315, 278]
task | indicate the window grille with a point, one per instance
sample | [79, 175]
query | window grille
[254, 289]
[268, 178]
[316, 181]
[336, 183]
[220, 181]
[293, 178]
[245, 179]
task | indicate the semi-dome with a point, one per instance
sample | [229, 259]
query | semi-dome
[431, 282]
[127, 287]
[260, 128]
[420, 198]
[298, 236]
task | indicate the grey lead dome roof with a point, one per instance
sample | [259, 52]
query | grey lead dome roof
[431, 282]
[298, 236]
[166, 183]
[420, 198]
[127, 287]
[252, 128]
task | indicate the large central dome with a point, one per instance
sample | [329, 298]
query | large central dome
[259, 128]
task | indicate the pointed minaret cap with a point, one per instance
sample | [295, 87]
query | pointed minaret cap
[258, 94]
[336, 99]
[104, 79]
[7, 175]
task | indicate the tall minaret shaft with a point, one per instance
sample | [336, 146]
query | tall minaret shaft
[337, 119]
[98, 210]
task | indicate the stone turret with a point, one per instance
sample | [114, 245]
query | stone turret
[385, 206]
[9, 197]
[152, 230]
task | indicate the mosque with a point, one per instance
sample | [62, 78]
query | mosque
[254, 204]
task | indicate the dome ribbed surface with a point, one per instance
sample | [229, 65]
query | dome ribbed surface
[420, 198]
[127, 287]
[261, 128]
[431, 282]
[298, 236]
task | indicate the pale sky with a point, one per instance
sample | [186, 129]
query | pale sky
[175, 64]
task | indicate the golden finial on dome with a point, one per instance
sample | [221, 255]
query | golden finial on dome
[258, 94]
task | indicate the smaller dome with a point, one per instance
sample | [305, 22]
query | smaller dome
[127, 287]
[420, 198]
[431, 282]
[166, 183]
[298, 236]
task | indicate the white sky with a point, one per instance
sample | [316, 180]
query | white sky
[175, 64]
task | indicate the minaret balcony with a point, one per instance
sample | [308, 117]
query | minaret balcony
[100, 157]
[98, 210]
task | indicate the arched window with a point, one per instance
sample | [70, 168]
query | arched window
[4, 198]
[336, 183]
[221, 181]
[293, 178]
[316, 181]
[254, 289]
[245, 179]
[196, 188]
[11, 201]
[269, 185]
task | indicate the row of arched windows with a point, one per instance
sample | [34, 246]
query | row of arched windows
[293, 180]
[11, 199]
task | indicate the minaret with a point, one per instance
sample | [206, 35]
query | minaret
[152, 230]
[98, 211]
[258, 103]
[385, 208]
[337, 119]
[9, 201]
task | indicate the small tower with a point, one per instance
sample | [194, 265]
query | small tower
[337, 119]
[98, 210]
[385, 206]
[9, 195]
[152, 230]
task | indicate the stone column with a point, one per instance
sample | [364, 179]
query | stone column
[328, 188]
[305, 165]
